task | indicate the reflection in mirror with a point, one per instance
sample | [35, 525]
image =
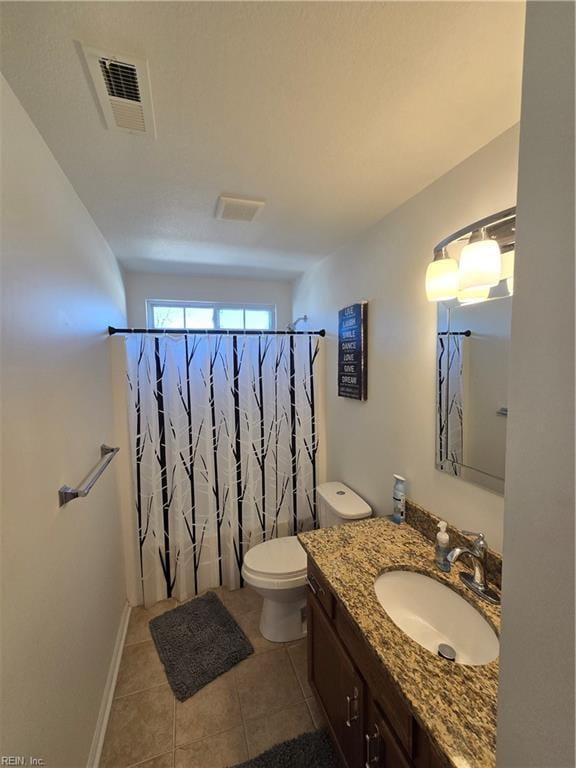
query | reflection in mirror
[472, 372]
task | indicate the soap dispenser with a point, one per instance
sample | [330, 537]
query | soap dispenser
[442, 547]
[399, 499]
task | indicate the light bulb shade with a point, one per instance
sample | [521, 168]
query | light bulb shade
[442, 280]
[507, 265]
[480, 264]
[473, 295]
[507, 272]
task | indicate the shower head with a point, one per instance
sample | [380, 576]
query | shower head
[292, 326]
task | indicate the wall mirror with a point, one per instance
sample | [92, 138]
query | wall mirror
[473, 340]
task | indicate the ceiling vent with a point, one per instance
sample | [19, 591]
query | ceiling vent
[122, 85]
[232, 208]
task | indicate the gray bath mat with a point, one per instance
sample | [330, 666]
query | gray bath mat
[197, 642]
[311, 750]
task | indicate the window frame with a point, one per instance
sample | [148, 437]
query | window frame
[216, 305]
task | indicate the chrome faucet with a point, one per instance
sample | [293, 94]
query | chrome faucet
[477, 553]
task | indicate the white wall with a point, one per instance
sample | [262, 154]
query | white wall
[63, 587]
[536, 700]
[394, 430]
[141, 286]
[486, 355]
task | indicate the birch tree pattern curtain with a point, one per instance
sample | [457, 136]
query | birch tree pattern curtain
[224, 432]
[450, 424]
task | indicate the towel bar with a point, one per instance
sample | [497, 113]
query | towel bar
[66, 493]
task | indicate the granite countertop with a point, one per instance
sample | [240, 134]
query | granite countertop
[456, 704]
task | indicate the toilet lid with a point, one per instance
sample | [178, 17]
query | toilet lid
[277, 557]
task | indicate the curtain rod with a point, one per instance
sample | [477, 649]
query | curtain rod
[212, 332]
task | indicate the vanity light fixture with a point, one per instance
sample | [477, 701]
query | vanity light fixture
[508, 270]
[473, 295]
[442, 278]
[480, 262]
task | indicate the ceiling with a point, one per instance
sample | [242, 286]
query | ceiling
[335, 113]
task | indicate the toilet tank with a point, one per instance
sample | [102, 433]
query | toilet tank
[339, 504]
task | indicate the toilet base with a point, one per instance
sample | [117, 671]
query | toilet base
[283, 621]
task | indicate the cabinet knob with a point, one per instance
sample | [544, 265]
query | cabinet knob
[350, 715]
[372, 748]
[314, 585]
[368, 750]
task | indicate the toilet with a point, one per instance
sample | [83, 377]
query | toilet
[276, 569]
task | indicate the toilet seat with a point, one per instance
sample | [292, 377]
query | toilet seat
[276, 564]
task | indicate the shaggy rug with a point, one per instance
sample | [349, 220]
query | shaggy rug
[197, 642]
[310, 750]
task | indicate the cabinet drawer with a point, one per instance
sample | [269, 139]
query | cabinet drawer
[425, 754]
[320, 589]
[381, 686]
[337, 685]
[382, 747]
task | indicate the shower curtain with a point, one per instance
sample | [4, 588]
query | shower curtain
[450, 372]
[224, 432]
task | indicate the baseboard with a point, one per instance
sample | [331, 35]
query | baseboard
[108, 695]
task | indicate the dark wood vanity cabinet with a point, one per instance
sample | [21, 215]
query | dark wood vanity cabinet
[381, 747]
[337, 685]
[370, 722]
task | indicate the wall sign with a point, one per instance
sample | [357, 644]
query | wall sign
[352, 351]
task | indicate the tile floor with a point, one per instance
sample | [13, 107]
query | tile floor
[262, 701]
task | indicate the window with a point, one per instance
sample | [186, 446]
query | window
[199, 315]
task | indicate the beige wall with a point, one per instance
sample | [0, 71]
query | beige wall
[536, 713]
[63, 587]
[394, 431]
[141, 286]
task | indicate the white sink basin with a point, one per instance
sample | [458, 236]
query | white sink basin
[433, 614]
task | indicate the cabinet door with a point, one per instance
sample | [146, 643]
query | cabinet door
[337, 685]
[381, 747]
